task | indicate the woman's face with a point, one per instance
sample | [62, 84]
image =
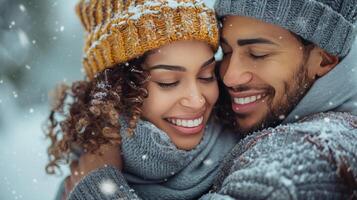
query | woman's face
[182, 91]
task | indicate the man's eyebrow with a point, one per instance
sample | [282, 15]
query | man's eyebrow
[180, 68]
[243, 42]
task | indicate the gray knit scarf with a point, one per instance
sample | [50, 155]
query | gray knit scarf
[156, 169]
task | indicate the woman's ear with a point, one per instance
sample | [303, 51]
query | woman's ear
[321, 62]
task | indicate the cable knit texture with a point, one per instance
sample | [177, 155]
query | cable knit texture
[156, 169]
[329, 24]
[315, 158]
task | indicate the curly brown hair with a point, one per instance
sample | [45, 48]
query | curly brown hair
[86, 115]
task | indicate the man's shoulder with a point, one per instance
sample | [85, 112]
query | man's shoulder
[313, 125]
[336, 126]
[326, 121]
[332, 115]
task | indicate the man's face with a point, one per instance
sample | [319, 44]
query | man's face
[265, 69]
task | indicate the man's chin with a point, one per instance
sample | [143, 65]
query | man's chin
[246, 127]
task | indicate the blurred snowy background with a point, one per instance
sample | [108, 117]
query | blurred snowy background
[40, 46]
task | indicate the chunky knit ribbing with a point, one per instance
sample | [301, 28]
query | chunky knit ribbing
[329, 24]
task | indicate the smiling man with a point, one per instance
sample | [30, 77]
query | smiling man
[267, 70]
[269, 67]
[289, 71]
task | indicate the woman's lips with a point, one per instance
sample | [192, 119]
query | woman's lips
[187, 126]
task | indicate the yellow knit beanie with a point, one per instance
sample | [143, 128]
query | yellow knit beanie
[121, 30]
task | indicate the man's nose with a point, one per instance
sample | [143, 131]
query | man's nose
[237, 72]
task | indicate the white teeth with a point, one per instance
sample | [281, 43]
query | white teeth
[190, 123]
[196, 122]
[247, 100]
[184, 123]
[187, 123]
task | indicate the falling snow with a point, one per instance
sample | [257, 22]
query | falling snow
[15, 94]
[326, 119]
[24, 40]
[208, 162]
[12, 24]
[144, 157]
[22, 8]
[107, 187]
[281, 117]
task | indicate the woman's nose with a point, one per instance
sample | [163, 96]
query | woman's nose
[194, 99]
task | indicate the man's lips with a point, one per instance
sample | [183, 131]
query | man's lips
[247, 101]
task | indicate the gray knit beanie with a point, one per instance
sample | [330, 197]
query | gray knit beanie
[331, 24]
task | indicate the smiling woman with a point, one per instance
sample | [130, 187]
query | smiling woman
[182, 92]
[150, 88]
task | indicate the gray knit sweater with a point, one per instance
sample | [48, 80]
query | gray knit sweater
[156, 169]
[312, 159]
[315, 158]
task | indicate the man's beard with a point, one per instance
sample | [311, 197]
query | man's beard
[293, 93]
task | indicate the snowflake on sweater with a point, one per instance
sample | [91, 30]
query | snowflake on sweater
[107, 187]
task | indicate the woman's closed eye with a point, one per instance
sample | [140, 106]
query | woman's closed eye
[208, 79]
[168, 84]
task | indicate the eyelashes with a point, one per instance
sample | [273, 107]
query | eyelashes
[174, 84]
[257, 57]
[168, 85]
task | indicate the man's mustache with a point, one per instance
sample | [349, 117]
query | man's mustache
[243, 88]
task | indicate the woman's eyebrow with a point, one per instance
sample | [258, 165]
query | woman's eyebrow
[168, 67]
[208, 62]
[179, 68]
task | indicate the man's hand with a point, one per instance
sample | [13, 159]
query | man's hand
[88, 162]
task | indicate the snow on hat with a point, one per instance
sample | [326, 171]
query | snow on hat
[121, 30]
[331, 24]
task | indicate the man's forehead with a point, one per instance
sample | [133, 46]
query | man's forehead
[245, 28]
